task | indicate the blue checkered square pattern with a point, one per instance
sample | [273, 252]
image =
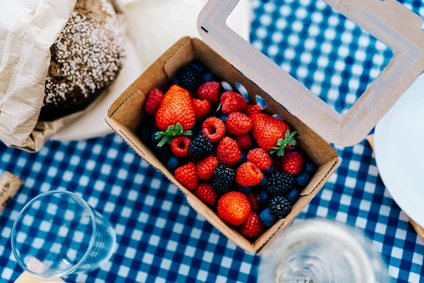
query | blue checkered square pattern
[160, 238]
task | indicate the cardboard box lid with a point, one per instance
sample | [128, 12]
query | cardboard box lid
[386, 20]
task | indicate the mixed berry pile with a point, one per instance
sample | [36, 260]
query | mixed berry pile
[235, 158]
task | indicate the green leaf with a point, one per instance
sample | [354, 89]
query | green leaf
[280, 152]
[162, 141]
[280, 142]
[187, 133]
[179, 128]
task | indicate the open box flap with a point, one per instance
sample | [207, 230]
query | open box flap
[387, 20]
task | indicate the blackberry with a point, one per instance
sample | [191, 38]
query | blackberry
[280, 183]
[189, 78]
[223, 179]
[200, 147]
[163, 153]
[280, 207]
[145, 130]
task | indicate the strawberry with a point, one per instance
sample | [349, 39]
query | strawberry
[238, 124]
[213, 128]
[234, 208]
[253, 202]
[228, 152]
[292, 162]
[253, 109]
[260, 158]
[248, 175]
[285, 144]
[206, 167]
[232, 102]
[209, 91]
[252, 227]
[153, 101]
[206, 193]
[187, 176]
[244, 142]
[180, 145]
[201, 108]
[176, 107]
[267, 130]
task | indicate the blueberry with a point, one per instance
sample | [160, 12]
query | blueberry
[263, 182]
[245, 190]
[173, 163]
[310, 167]
[293, 196]
[266, 218]
[208, 77]
[243, 157]
[223, 118]
[175, 81]
[198, 66]
[270, 170]
[263, 197]
[154, 140]
[302, 179]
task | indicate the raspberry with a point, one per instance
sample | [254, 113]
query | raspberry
[280, 207]
[153, 101]
[180, 145]
[209, 91]
[214, 129]
[223, 179]
[244, 142]
[228, 152]
[232, 102]
[200, 147]
[248, 175]
[206, 194]
[280, 184]
[253, 109]
[238, 124]
[187, 176]
[253, 202]
[234, 208]
[206, 167]
[292, 162]
[189, 78]
[201, 108]
[260, 158]
[252, 227]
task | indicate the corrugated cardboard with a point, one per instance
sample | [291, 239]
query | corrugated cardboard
[315, 121]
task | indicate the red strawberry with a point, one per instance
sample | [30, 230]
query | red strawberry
[176, 107]
[238, 124]
[292, 162]
[244, 142]
[209, 91]
[252, 227]
[234, 208]
[260, 158]
[213, 128]
[228, 152]
[187, 176]
[248, 175]
[253, 109]
[201, 108]
[232, 102]
[267, 130]
[153, 101]
[206, 167]
[179, 146]
[206, 193]
[253, 202]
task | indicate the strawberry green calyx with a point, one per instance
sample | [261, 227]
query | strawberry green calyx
[171, 132]
[282, 144]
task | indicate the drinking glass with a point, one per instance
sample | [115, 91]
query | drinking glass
[57, 233]
[321, 251]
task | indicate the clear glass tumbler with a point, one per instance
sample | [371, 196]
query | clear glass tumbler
[321, 251]
[57, 233]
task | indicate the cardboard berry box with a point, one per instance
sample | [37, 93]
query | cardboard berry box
[317, 123]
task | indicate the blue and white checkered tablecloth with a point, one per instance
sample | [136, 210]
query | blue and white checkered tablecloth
[160, 238]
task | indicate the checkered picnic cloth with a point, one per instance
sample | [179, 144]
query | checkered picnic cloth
[160, 238]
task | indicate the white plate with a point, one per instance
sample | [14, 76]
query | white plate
[399, 150]
[149, 39]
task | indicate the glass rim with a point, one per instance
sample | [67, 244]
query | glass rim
[81, 201]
